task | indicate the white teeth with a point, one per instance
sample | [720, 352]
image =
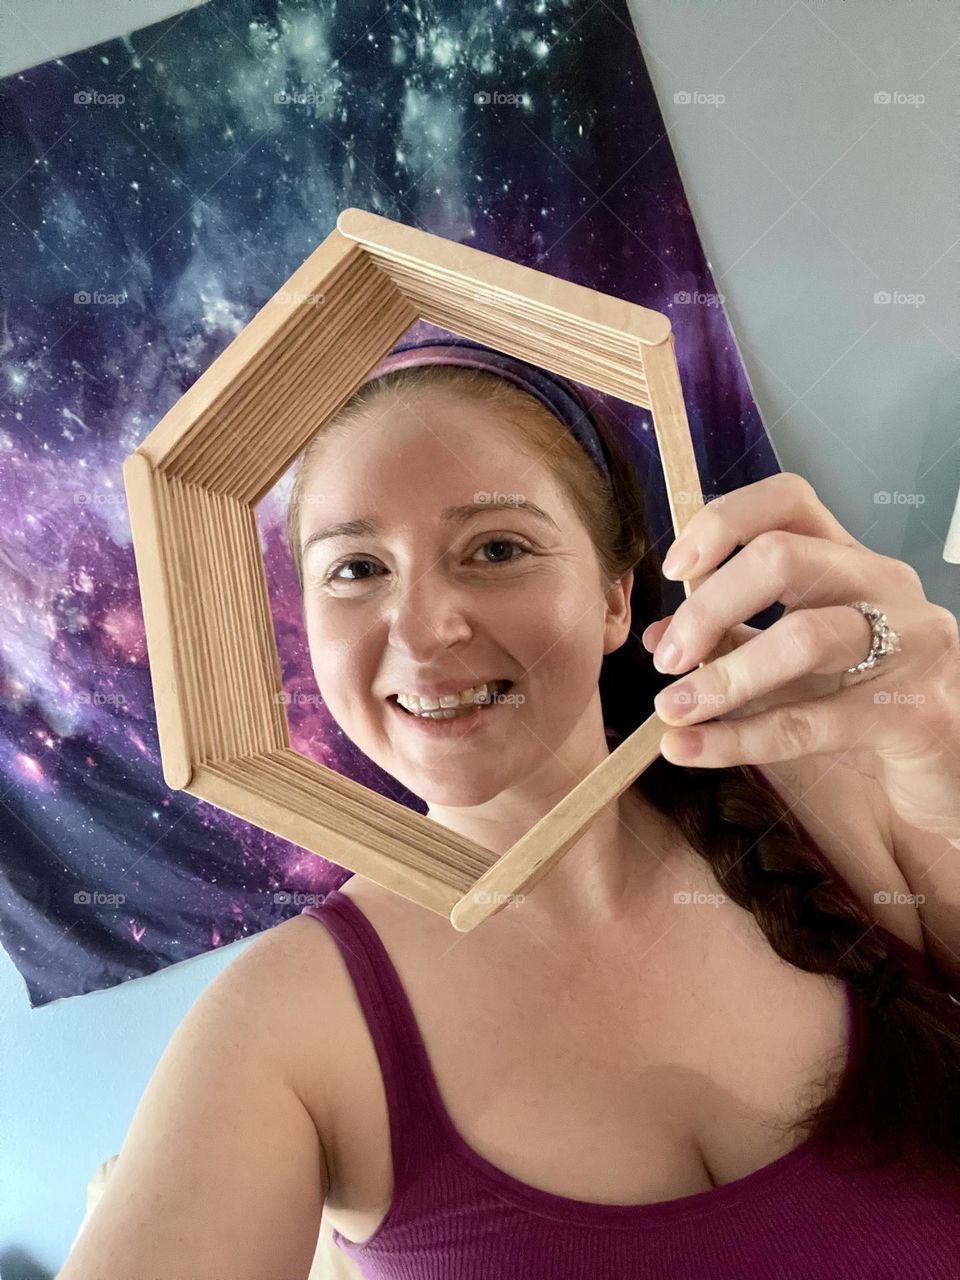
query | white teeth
[479, 695]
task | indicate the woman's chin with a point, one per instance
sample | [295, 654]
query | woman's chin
[454, 793]
[461, 784]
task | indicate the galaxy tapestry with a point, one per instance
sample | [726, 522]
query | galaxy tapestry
[156, 191]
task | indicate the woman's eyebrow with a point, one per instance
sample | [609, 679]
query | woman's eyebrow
[462, 513]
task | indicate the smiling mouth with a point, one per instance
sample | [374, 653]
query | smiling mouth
[499, 688]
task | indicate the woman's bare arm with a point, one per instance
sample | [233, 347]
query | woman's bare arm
[222, 1173]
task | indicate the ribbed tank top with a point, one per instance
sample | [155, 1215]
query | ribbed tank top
[456, 1216]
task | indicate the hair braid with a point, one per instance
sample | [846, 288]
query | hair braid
[911, 1047]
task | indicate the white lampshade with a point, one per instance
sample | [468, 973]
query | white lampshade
[951, 548]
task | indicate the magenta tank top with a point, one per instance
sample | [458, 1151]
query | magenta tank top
[456, 1216]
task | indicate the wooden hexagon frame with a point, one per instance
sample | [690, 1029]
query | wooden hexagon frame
[193, 484]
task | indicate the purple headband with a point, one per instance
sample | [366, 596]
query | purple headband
[559, 396]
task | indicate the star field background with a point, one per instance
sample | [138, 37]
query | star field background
[156, 191]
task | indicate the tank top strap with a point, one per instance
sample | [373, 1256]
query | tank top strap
[416, 1140]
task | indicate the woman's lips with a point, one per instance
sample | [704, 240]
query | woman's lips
[451, 726]
[498, 686]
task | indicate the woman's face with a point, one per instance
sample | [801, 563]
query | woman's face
[426, 597]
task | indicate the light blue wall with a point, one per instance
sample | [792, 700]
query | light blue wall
[71, 1074]
[35, 31]
[810, 198]
[859, 397]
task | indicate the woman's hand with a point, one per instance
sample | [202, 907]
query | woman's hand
[784, 692]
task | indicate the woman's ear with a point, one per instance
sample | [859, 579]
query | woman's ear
[618, 612]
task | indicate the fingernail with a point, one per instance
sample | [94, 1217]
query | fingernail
[666, 656]
[679, 560]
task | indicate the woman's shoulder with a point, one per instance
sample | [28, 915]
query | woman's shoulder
[297, 969]
[408, 931]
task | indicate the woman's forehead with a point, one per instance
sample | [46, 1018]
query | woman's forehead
[445, 432]
[435, 405]
[384, 474]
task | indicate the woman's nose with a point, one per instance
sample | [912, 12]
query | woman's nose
[428, 613]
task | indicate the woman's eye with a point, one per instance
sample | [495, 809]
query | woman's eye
[334, 574]
[505, 542]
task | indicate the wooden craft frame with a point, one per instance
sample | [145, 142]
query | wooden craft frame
[193, 484]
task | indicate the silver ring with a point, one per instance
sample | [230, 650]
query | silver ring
[883, 641]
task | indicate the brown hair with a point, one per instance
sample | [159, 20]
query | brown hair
[901, 1097]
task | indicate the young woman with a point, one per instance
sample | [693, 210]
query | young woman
[714, 1039]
